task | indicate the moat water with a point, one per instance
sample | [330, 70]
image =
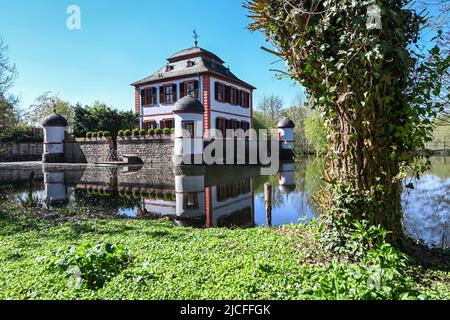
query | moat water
[218, 196]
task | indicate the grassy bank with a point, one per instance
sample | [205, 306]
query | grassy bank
[157, 260]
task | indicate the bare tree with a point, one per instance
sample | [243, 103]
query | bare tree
[45, 105]
[8, 74]
[8, 71]
[438, 12]
[271, 107]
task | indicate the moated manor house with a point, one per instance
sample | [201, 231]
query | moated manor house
[196, 95]
[195, 72]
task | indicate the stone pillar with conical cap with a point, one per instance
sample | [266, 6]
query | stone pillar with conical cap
[188, 115]
[286, 134]
[55, 126]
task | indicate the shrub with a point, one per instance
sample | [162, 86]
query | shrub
[94, 134]
[127, 133]
[172, 131]
[151, 132]
[166, 131]
[135, 132]
[158, 131]
[106, 134]
[90, 264]
[374, 268]
[121, 133]
[142, 132]
[354, 281]
[20, 135]
[89, 135]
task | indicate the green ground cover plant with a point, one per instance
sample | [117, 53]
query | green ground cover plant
[70, 254]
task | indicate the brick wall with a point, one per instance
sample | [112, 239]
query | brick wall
[10, 152]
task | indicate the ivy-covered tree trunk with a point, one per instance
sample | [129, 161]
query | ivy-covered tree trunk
[363, 175]
[375, 93]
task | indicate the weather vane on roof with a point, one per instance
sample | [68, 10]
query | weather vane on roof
[196, 36]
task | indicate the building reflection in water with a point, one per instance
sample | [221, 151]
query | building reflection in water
[199, 204]
[196, 196]
[226, 196]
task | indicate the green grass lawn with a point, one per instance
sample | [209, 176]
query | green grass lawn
[170, 262]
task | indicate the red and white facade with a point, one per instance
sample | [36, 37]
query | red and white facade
[227, 100]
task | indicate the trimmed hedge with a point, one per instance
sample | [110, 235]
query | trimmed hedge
[100, 134]
[142, 132]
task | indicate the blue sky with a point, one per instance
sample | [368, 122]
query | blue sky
[123, 41]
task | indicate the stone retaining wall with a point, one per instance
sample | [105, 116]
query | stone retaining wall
[10, 152]
[150, 151]
[88, 150]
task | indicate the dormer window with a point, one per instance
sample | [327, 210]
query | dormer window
[190, 64]
[169, 68]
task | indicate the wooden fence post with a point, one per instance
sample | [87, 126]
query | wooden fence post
[268, 202]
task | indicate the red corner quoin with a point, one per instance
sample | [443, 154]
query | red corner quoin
[136, 100]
